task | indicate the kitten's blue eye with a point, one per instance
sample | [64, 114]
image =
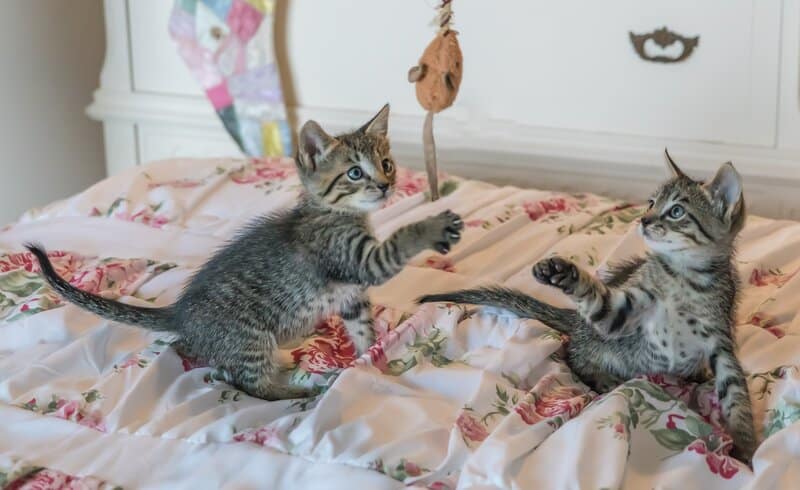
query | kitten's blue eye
[676, 211]
[388, 166]
[355, 173]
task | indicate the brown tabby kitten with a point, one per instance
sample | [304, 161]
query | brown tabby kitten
[287, 271]
[670, 311]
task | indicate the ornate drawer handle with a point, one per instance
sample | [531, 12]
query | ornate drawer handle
[663, 37]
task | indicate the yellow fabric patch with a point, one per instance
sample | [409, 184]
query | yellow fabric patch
[264, 6]
[271, 135]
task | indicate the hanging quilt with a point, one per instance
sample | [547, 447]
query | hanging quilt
[227, 45]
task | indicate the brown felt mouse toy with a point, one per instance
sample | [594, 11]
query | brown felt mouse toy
[437, 77]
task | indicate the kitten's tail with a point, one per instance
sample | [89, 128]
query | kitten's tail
[562, 319]
[152, 318]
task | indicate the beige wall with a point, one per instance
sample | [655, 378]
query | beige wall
[51, 53]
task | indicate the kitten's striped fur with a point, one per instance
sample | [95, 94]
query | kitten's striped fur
[287, 271]
[671, 311]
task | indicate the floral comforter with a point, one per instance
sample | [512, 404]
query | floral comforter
[447, 398]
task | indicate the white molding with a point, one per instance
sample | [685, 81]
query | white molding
[501, 151]
[789, 101]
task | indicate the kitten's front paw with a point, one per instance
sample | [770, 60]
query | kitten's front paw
[557, 272]
[443, 231]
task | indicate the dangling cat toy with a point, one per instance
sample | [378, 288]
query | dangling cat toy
[437, 77]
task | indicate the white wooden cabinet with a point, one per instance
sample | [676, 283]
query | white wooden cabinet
[554, 93]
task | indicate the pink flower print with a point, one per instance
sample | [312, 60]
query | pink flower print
[439, 485]
[378, 357]
[698, 446]
[72, 410]
[541, 208]
[671, 420]
[440, 263]
[43, 480]
[528, 413]
[475, 223]
[144, 217]
[777, 332]
[761, 277]
[471, 428]
[133, 361]
[259, 436]
[676, 387]
[67, 410]
[407, 182]
[27, 261]
[411, 469]
[264, 170]
[88, 280]
[331, 349]
[93, 420]
[619, 429]
[722, 465]
[189, 363]
[761, 319]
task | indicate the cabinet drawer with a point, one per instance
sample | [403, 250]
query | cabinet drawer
[571, 64]
[158, 142]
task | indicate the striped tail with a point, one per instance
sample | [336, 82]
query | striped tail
[564, 320]
[152, 318]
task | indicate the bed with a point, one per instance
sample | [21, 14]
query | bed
[448, 397]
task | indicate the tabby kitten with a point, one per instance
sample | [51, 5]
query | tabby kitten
[670, 311]
[287, 271]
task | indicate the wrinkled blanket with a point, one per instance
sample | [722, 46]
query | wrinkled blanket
[449, 397]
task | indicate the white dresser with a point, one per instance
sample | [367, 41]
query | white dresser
[555, 94]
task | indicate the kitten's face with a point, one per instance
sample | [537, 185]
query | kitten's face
[353, 171]
[690, 216]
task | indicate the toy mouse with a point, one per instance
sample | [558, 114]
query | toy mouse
[437, 77]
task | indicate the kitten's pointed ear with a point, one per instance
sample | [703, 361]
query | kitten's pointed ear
[673, 168]
[378, 125]
[313, 143]
[726, 189]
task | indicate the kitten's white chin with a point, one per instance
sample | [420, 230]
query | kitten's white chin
[369, 205]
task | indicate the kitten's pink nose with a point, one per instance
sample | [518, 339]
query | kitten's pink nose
[646, 220]
[383, 187]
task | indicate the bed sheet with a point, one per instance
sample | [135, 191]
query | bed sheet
[448, 397]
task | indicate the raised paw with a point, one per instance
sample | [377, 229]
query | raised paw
[444, 231]
[557, 272]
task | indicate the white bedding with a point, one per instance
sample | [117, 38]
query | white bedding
[448, 398]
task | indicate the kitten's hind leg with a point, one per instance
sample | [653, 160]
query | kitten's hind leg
[256, 370]
[357, 317]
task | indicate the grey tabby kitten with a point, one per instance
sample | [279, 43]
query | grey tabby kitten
[287, 271]
[670, 311]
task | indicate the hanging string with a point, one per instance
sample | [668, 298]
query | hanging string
[444, 18]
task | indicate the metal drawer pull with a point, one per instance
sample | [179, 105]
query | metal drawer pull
[663, 37]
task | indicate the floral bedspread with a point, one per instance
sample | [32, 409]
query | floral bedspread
[447, 398]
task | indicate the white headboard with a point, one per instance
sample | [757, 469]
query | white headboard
[554, 93]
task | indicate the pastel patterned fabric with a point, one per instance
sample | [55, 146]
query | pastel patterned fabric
[447, 398]
[227, 45]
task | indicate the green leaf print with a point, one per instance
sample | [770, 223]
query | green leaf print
[114, 205]
[654, 391]
[784, 414]
[448, 187]
[697, 427]
[428, 347]
[21, 283]
[91, 396]
[674, 439]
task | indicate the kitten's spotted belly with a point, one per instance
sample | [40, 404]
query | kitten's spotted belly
[674, 345]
